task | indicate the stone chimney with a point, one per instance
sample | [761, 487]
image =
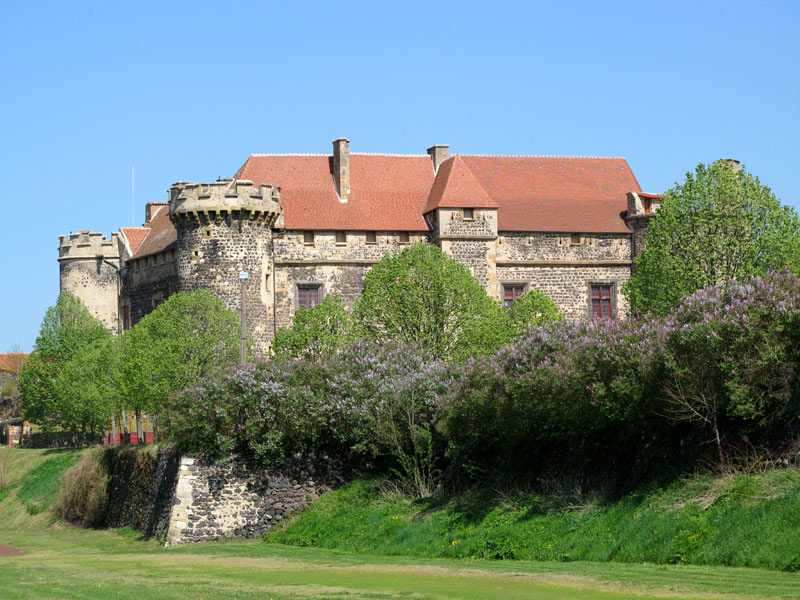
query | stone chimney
[733, 163]
[439, 153]
[341, 167]
[151, 208]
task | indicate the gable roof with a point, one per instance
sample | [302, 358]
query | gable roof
[387, 192]
[13, 361]
[456, 187]
[162, 235]
[135, 236]
[556, 193]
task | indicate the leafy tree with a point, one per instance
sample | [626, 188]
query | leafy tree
[185, 338]
[720, 224]
[316, 331]
[420, 296]
[67, 329]
[531, 309]
[85, 388]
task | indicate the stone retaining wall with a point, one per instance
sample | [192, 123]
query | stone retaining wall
[214, 501]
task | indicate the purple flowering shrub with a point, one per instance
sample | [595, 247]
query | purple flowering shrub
[732, 362]
[380, 401]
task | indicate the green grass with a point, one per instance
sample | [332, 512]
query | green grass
[102, 564]
[743, 521]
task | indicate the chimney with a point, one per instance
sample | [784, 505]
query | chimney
[150, 210]
[735, 165]
[439, 153]
[341, 167]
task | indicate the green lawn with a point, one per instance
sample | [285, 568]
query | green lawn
[69, 563]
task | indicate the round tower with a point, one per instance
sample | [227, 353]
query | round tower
[89, 268]
[641, 209]
[225, 228]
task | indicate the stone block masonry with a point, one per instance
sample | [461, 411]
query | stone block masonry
[219, 501]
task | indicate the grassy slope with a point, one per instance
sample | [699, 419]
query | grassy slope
[69, 563]
[745, 521]
[31, 480]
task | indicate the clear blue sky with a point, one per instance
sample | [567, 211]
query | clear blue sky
[187, 90]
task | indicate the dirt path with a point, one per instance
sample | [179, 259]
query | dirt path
[9, 551]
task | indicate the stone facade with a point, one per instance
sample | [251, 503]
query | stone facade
[215, 501]
[210, 232]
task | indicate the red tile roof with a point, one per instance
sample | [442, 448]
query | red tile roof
[544, 193]
[456, 187]
[135, 236]
[162, 234]
[387, 192]
[13, 361]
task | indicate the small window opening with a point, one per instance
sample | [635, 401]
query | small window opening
[308, 238]
[372, 237]
[647, 206]
[575, 239]
[511, 293]
[403, 237]
[341, 237]
[207, 232]
[468, 214]
[266, 281]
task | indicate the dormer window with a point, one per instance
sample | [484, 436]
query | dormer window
[647, 205]
[468, 214]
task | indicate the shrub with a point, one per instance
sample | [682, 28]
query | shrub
[83, 496]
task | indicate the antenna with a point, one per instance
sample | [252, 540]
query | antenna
[133, 196]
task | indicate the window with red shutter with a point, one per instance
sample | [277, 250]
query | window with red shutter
[511, 293]
[601, 301]
[308, 296]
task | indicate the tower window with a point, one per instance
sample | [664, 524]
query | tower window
[308, 238]
[601, 300]
[341, 238]
[308, 295]
[372, 237]
[648, 207]
[468, 214]
[403, 237]
[511, 292]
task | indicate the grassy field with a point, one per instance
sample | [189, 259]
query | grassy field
[63, 562]
[744, 521]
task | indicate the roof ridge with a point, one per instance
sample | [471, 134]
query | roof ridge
[260, 154]
[288, 154]
[540, 156]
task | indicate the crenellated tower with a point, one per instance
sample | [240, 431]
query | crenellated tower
[224, 228]
[89, 265]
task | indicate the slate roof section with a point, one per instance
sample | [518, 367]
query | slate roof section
[12, 361]
[456, 187]
[162, 235]
[556, 193]
[387, 192]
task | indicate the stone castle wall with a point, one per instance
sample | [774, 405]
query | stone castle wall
[149, 285]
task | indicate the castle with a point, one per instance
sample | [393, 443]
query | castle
[307, 225]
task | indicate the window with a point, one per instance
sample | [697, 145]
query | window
[341, 237]
[648, 207]
[403, 237]
[126, 318]
[468, 214]
[308, 295]
[601, 299]
[372, 237]
[512, 292]
[308, 238]
[575, 239]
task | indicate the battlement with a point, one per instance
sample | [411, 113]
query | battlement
[88, 244]
[224, 199]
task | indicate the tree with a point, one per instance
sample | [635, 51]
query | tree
[188, 336]
[531, 309]
[315, 331]
[420, 296]
[720, 224]
[85, 392]
[67, 329]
